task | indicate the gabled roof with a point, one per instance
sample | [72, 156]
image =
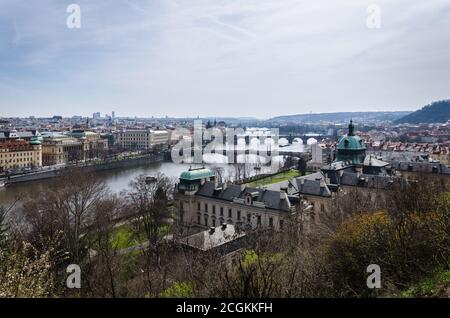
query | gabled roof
[366, 180]
[372, 160]
[313, 187]
[429, 167]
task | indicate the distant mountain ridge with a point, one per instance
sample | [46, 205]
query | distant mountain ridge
[343, 116]
[436, 112]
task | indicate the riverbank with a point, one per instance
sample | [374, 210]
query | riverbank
[97, 166]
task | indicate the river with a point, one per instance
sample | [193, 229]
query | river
[116, 179]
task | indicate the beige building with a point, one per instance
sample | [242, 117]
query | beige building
[141, 139]
[78, 146]
[61, 150]
[18, 154]
[202, 203]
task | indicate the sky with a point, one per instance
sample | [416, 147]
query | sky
[189, 58]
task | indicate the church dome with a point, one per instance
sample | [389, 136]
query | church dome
[351, 148]
[351, 142]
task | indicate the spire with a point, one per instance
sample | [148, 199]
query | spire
[351, 129]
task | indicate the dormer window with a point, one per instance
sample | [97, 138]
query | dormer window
[346, 143]
[248, 199]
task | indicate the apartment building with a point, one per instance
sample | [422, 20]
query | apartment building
[141, 139]
[18, 154]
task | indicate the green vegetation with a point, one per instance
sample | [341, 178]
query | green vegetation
[124, 237]
[436, 286]
[279, 177]
[179, 290]
[437, 112]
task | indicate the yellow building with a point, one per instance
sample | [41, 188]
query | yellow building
[60, 150]
[79, 146]
[19, 154]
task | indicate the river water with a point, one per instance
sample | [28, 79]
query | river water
[118, 179]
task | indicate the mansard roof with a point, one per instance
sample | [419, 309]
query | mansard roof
[271, 199]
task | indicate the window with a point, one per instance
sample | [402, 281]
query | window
[259, 219]
[198, 206]
[281, 224]
[322, 207]
[238, 215]
[249, 218]
[198, 219]
[270, 222]
[214, 209]
[221, 211]
[230, 213]
[206, 207]
[206, 220]
[214, 222]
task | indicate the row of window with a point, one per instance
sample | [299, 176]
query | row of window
[133, 139]
[16, 160]
[17, 154]
[229, 211]
[18, 165]
[134, 135]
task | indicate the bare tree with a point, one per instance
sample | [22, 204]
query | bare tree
[219, 172]
[65, 208]
[149, 201]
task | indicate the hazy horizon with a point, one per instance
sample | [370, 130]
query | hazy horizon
[221, 58]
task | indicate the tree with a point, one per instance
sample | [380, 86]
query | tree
[25, 272]
[64, 211]
[149, 201]
[104, 270]
[302, 166]
[3, 229]
[219, 172]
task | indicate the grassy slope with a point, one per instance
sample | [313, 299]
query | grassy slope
[280, 177]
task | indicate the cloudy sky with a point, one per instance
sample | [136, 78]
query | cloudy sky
[256, 58]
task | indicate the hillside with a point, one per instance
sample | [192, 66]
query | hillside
[436, 112]
[342, 117]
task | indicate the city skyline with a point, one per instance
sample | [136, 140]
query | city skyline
[221, 58]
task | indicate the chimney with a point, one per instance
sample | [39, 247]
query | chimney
[358, 171]
[322, 183]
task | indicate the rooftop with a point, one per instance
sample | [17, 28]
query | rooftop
[196, 174]
[212, 238]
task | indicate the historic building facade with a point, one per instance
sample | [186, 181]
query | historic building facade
[141, 139]
[19, 153]
[203, 203]
[78, 145]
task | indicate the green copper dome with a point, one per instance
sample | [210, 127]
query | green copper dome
[35, 141]
[196, 174]
[351, 148]
[351, 142]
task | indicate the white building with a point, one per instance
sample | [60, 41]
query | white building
[141, 139]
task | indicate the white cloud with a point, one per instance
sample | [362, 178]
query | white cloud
[226, 57]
